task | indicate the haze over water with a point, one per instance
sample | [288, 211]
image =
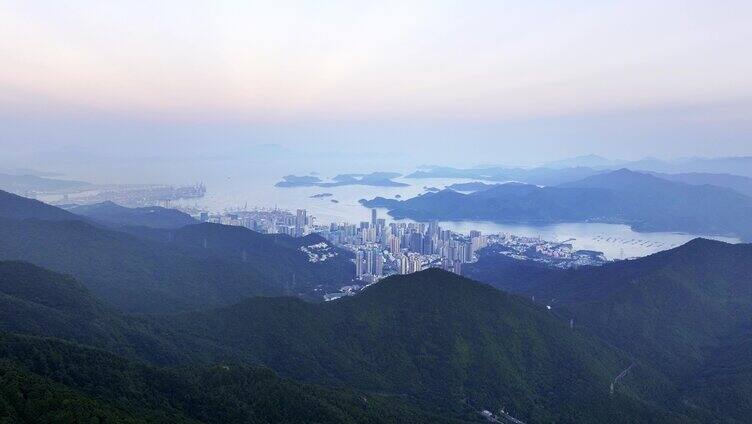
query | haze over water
[236, 187]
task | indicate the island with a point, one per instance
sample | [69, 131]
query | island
[298, 181]
[321, 195]
[375, 179]
[470, 187]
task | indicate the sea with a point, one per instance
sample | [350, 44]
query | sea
[235, 192]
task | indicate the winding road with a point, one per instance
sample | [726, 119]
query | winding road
[620, 376]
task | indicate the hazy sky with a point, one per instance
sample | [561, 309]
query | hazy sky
[473, 81]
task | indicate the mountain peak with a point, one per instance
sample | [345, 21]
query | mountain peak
[623, 178]
[17, 207]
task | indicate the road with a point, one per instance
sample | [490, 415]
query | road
[620, 376]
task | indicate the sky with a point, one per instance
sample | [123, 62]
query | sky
[452, 82]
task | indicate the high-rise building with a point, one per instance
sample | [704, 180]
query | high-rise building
[394, 244]
[460, 252]
[369, 262]
[368, 235]
[404, 264]
[300, 222]
[427, 246]
[359, 264]
[373, 218]
[477, 243]
[446, 264]
[433, 228]
[416, 242]
[415, 264]
[378, 264]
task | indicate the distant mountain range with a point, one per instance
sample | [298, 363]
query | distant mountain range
[34, 183]
[732, 165]
[732, 172]
[586, 161]
[735, 182]
[643, 201]
[537, 176]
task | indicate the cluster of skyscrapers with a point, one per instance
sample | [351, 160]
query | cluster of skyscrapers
[266, 220]
[403, 248]
[380, 249]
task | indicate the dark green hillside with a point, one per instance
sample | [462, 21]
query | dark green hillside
[279, 257]
[439, 339]
[724, 383]
[141, 275]
[132, 274]
[39, 302]
[432, 339]
[17, 207]
[687, 311]
[673, 308]
[50, 381]
[113, 214]
[509, 274]
[26, 397]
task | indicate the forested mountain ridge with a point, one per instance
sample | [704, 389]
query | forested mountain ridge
[433, 339]
[17, 207]
[643, 201]
[144, 271]
[110, 213]
[50, 381]
[687, 311]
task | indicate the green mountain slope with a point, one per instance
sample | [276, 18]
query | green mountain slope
[137, 274]
[45, 380]
[39, 302]
[433, 339]
[306, 264]
[686, 311]
[438, 339]
[113, 214]
[454, 347]
[17, 207]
